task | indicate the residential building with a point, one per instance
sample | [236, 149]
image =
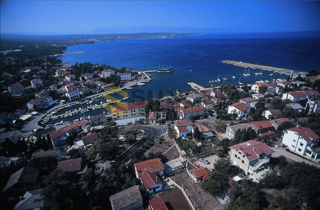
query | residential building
[263, 127]
[199, 174]
[88, 140]
[107, 86]
[205, 129]
[125, 76]
[136, 109]
[73, 95]
[271, 88]
[151, 181]
[296, 107]
[252, 157]
[157, 204]
[303, 141]
[53, 153]
[107, 73]
[187, 113]
[296, 96]
[70, 88]
[98, 119]
[248, 101]
[153, 165]
[277, 122]
[271, 114]
[240, 109]
[313, 106]
[176, 199]
[16, 89]
[25, 175]
[70, 77]
[232, 129]
[157, 117]
[40, 103]
[127, 199]
[43, 94]
[173, 166]
[76, 165]
[87, 76]
[36, 83]
[30, 200]
[185, 103]
[58, 138]
[208, 104]
[194, 98]
[183, 127]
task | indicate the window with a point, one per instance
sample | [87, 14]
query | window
[235, 155]
[292, 146]
[242, 161]
[301, 144]
[299, 149]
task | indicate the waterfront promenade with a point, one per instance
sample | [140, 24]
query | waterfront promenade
[197, 87]
[261, 67]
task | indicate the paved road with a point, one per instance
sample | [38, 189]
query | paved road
[281, 151]
[150, 133]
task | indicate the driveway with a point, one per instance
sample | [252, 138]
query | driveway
[212, 159]
[281, 151]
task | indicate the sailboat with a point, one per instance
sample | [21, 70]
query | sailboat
[258, 73]
[218, 78]
[245, 72]
[240, 83]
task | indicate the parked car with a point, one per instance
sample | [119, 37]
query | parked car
[204, 161]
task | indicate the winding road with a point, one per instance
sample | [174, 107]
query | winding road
[150, 133]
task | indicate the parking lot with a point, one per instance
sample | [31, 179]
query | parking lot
[212, 159]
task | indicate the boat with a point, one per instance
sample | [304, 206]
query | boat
[233, 77]
[129, 88]
[258, 73]
[163, 70]
[125, 98]
[140, 83]
[191, 70]
[271, 74]
[240, 83]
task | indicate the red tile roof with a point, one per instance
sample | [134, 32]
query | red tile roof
[150, 179]
[209, 102]
[183, 123]
[240, 106]
[153, 165]
[203, 127]
[73, 91]
[201, 172]
[252, 149]
[182, 129]
[57, 134]
[98, 117]
[45, 154]
[306, 133]
[36, 101]
[157, 204]
[275, 112]
[137, 105]
[17, 84]
[165, 105]
[186, 103]
[72, 165]
[297, 94]
[267, 133]
[23, 175]
[76, 124]
[90, 138]
[192, 109]
[262, 124]
[279, 121]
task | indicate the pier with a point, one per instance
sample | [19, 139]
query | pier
[197, 87]
[262, 67]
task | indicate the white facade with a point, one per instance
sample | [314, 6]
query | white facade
[298, 144]
[36, 83]
[73, 95]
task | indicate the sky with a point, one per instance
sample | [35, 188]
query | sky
[90, 17]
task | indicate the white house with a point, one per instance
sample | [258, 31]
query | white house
[40, 103]
[73, 95]
[269, 114]
[240, 109]
[16, 89]
[70, 77]
[87, 76]
[107, 73]
[252, 157]
[208, 104]
[36, 83]
[183, 127]
[151, 181]
[313, 106]
[296, 96]
[303, 141]
[125, 76]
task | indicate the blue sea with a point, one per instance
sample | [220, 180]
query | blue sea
[203, 55]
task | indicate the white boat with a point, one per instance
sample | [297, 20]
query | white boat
[218, 79]
[140, 83]
[258, 73]
[271, 74]
[125, 98]
[240, 83]
[233, 77]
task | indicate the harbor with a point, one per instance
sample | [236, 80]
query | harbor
[261, 67]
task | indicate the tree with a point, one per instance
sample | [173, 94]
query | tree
[62, 190]
[225, 166]
[263, 89]
[108, 150]
[284, 126]
[278, 104]
[217, 184]
[8, 148]
[131, 133]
